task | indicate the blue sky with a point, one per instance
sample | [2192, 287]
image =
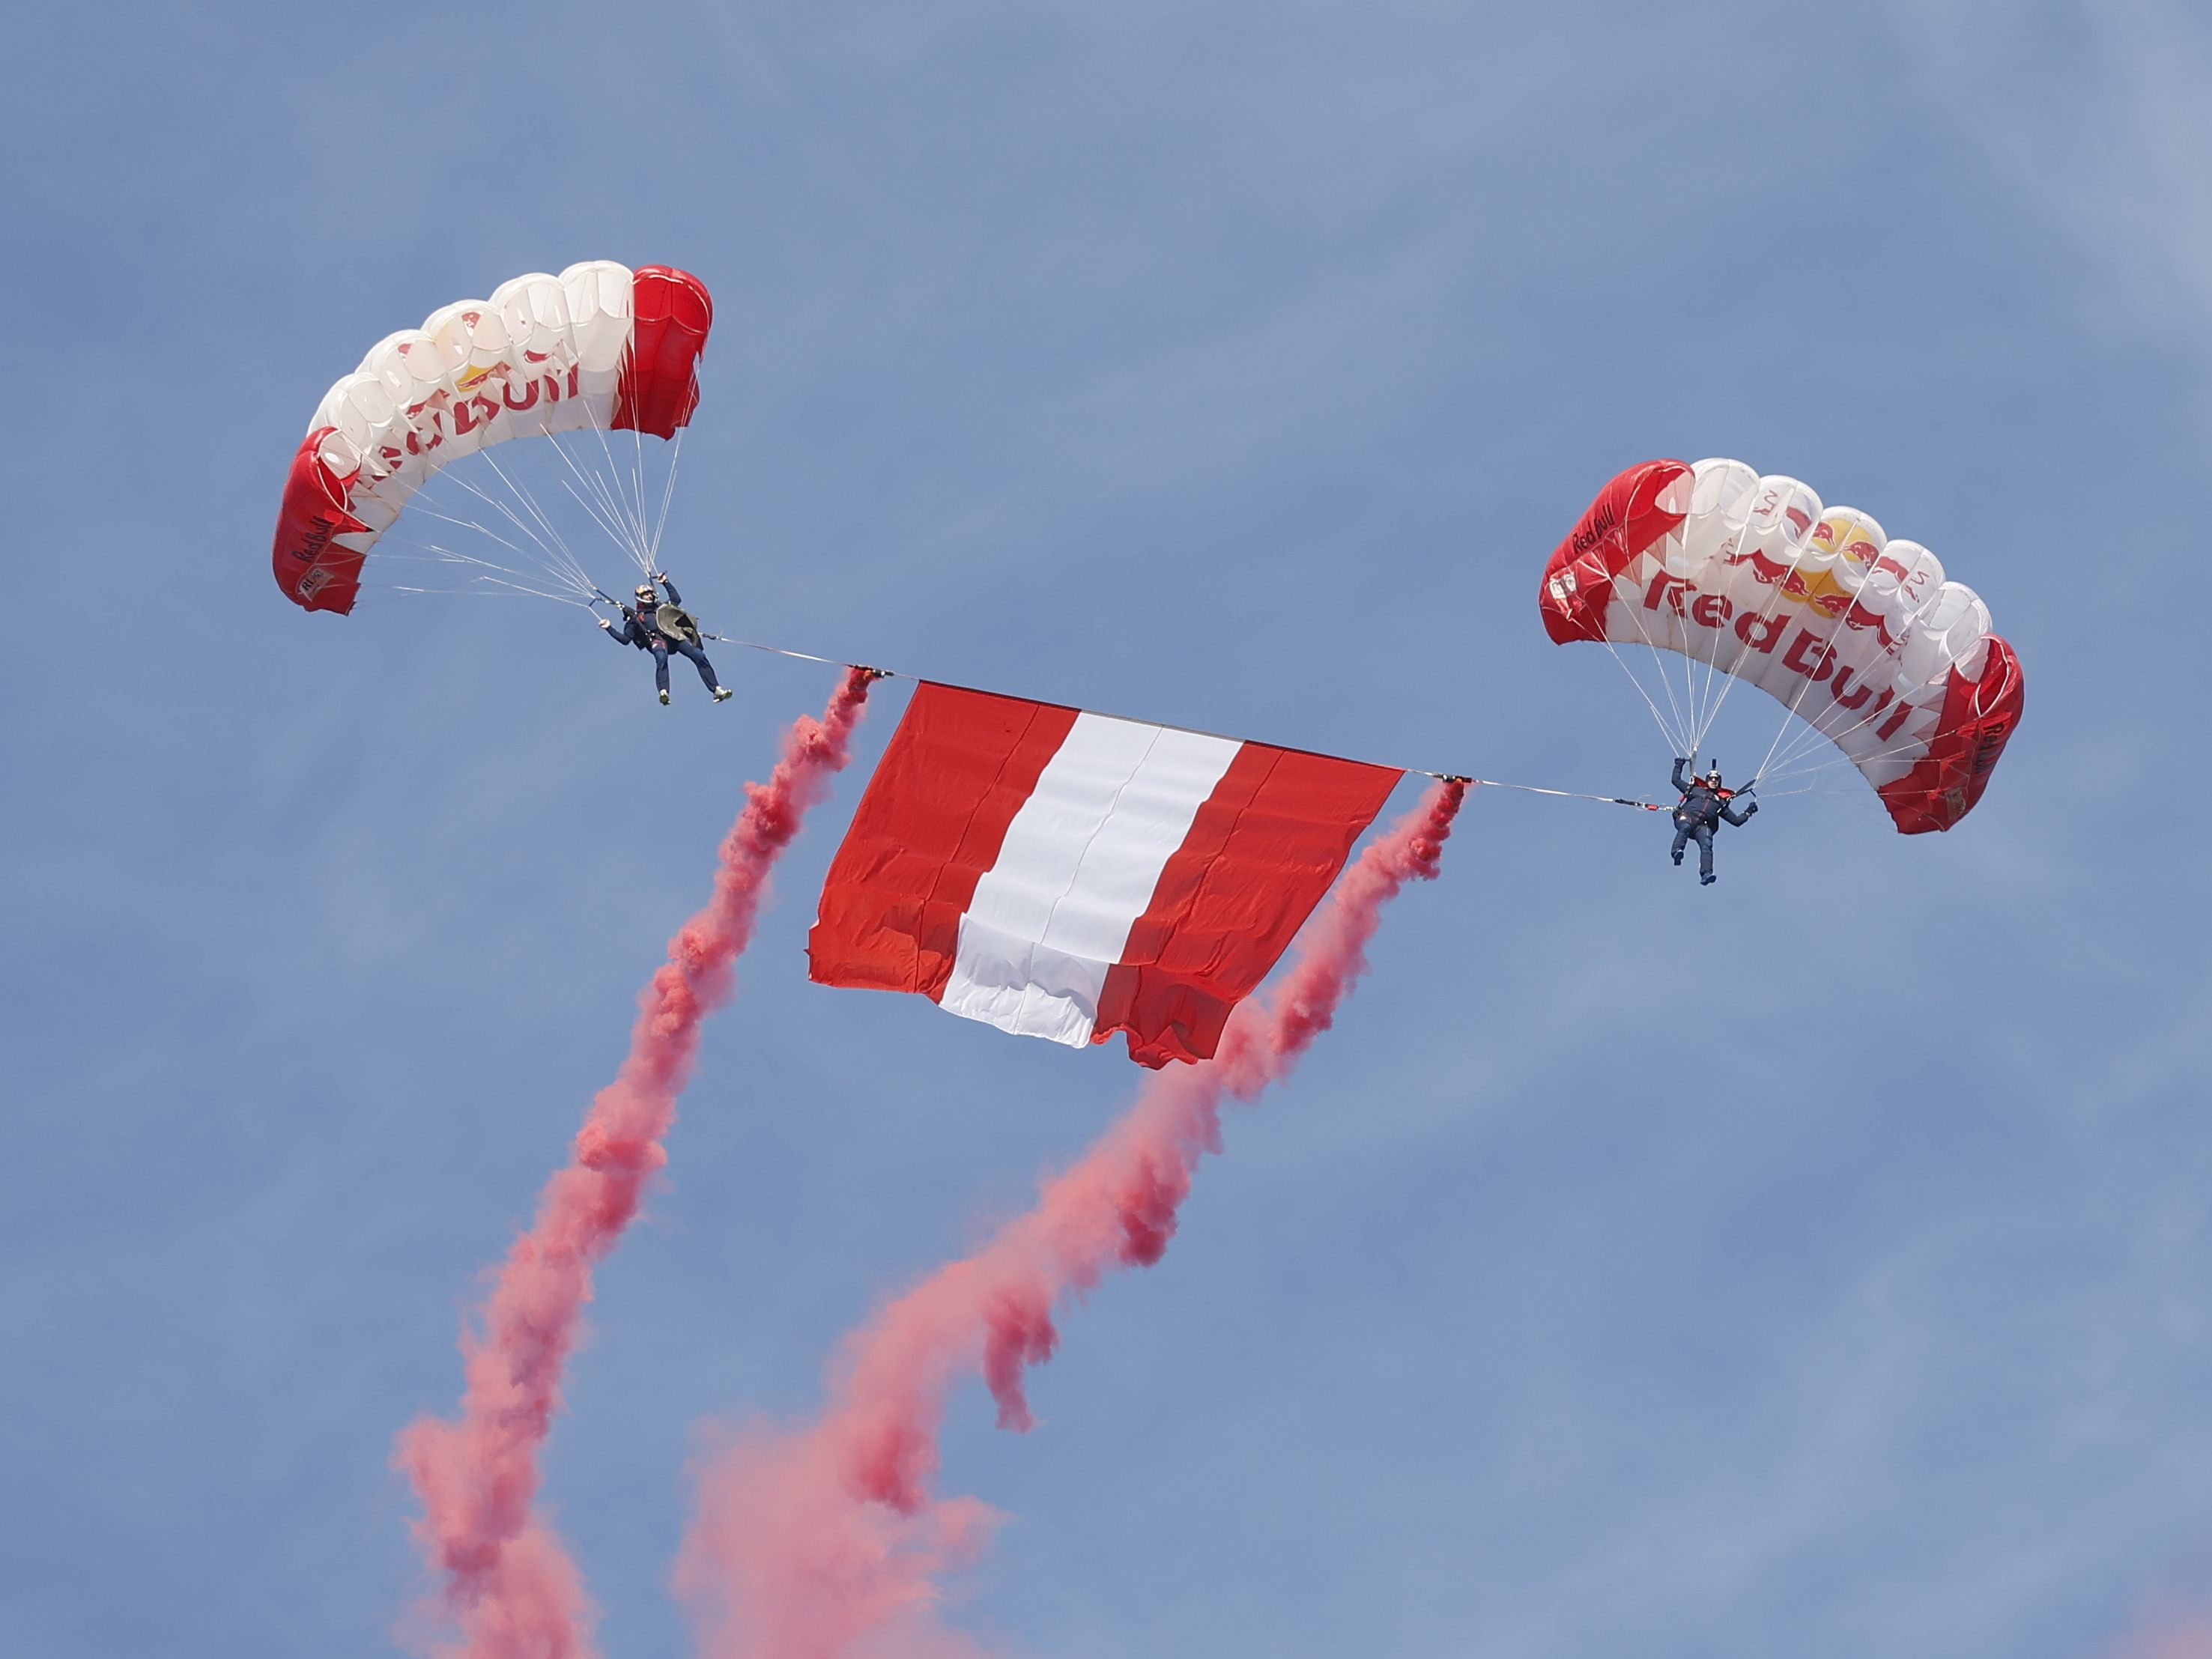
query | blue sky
[1815, 1264]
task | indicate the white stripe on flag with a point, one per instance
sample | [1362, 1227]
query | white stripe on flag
[1076, 869]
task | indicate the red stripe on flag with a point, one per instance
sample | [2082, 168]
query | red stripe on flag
[932, 820]
[1259, 856]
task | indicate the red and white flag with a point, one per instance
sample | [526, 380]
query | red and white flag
[1068, 875]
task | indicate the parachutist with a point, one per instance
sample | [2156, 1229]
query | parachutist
[1705, 806]
[660, 628]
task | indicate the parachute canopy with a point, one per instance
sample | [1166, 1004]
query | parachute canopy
[597, 346]
[1859, 635]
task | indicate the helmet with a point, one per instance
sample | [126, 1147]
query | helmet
[1713, 776]
[644, 591]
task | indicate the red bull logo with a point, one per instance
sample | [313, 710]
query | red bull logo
[1817, 588]
[1859, 617]
[1808, 655]
[1846, 695]
[466, 414]
[1767, 571]
[1846, 536]
[1771, 505]
[1602, 523]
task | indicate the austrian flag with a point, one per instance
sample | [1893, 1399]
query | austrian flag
[1067, 875]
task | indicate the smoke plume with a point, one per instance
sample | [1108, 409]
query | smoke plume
[826, 1542]
[508, 1582]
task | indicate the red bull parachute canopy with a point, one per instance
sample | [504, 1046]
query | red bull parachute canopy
[1751, 579]
[596, 359]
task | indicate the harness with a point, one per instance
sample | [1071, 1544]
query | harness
[1689, 817]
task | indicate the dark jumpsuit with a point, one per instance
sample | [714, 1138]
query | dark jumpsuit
[639, 629]
[1701, 812]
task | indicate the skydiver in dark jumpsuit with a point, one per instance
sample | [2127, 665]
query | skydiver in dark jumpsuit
[640, 628]
[1703, 809]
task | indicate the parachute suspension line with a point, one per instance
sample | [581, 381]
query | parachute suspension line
[614, 477]
[1766, 614]
[613, 531]
[1780, 731]
[1805, 741]
[455, 555]
[637, 475]
[1690, 692]
[596, 480]
[560, 567]
[544, 554]
[1728, 684]
[603, 507]
[1658, 718]
[1803, 744]
[667, 493]
[545, 580]
[1696, 691]
[514, 591]
[1674, 733]
[1707, 707]
[1876, 713]
[438, 553]
[632, 515]
[1690, 700]
[566, 559]
[601, 500]
[574, 565]
[1667, 684]
[1827, 764]
[533, 536]
[675, 462]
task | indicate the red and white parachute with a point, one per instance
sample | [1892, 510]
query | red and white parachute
[597, 349]
[1860, 636]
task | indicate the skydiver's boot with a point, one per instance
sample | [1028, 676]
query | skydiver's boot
[664, 696]
[723, 694]
[1677, 861]
[1707, 879]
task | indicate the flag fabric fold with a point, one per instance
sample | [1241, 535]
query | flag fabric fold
[1068, 875]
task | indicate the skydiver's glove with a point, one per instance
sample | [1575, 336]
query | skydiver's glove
[1751, 810]
[604, 623]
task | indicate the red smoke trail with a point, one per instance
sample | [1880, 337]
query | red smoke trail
[2170, 1629]
[508, 1582]
[826, 1542]
[2190, 1640]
